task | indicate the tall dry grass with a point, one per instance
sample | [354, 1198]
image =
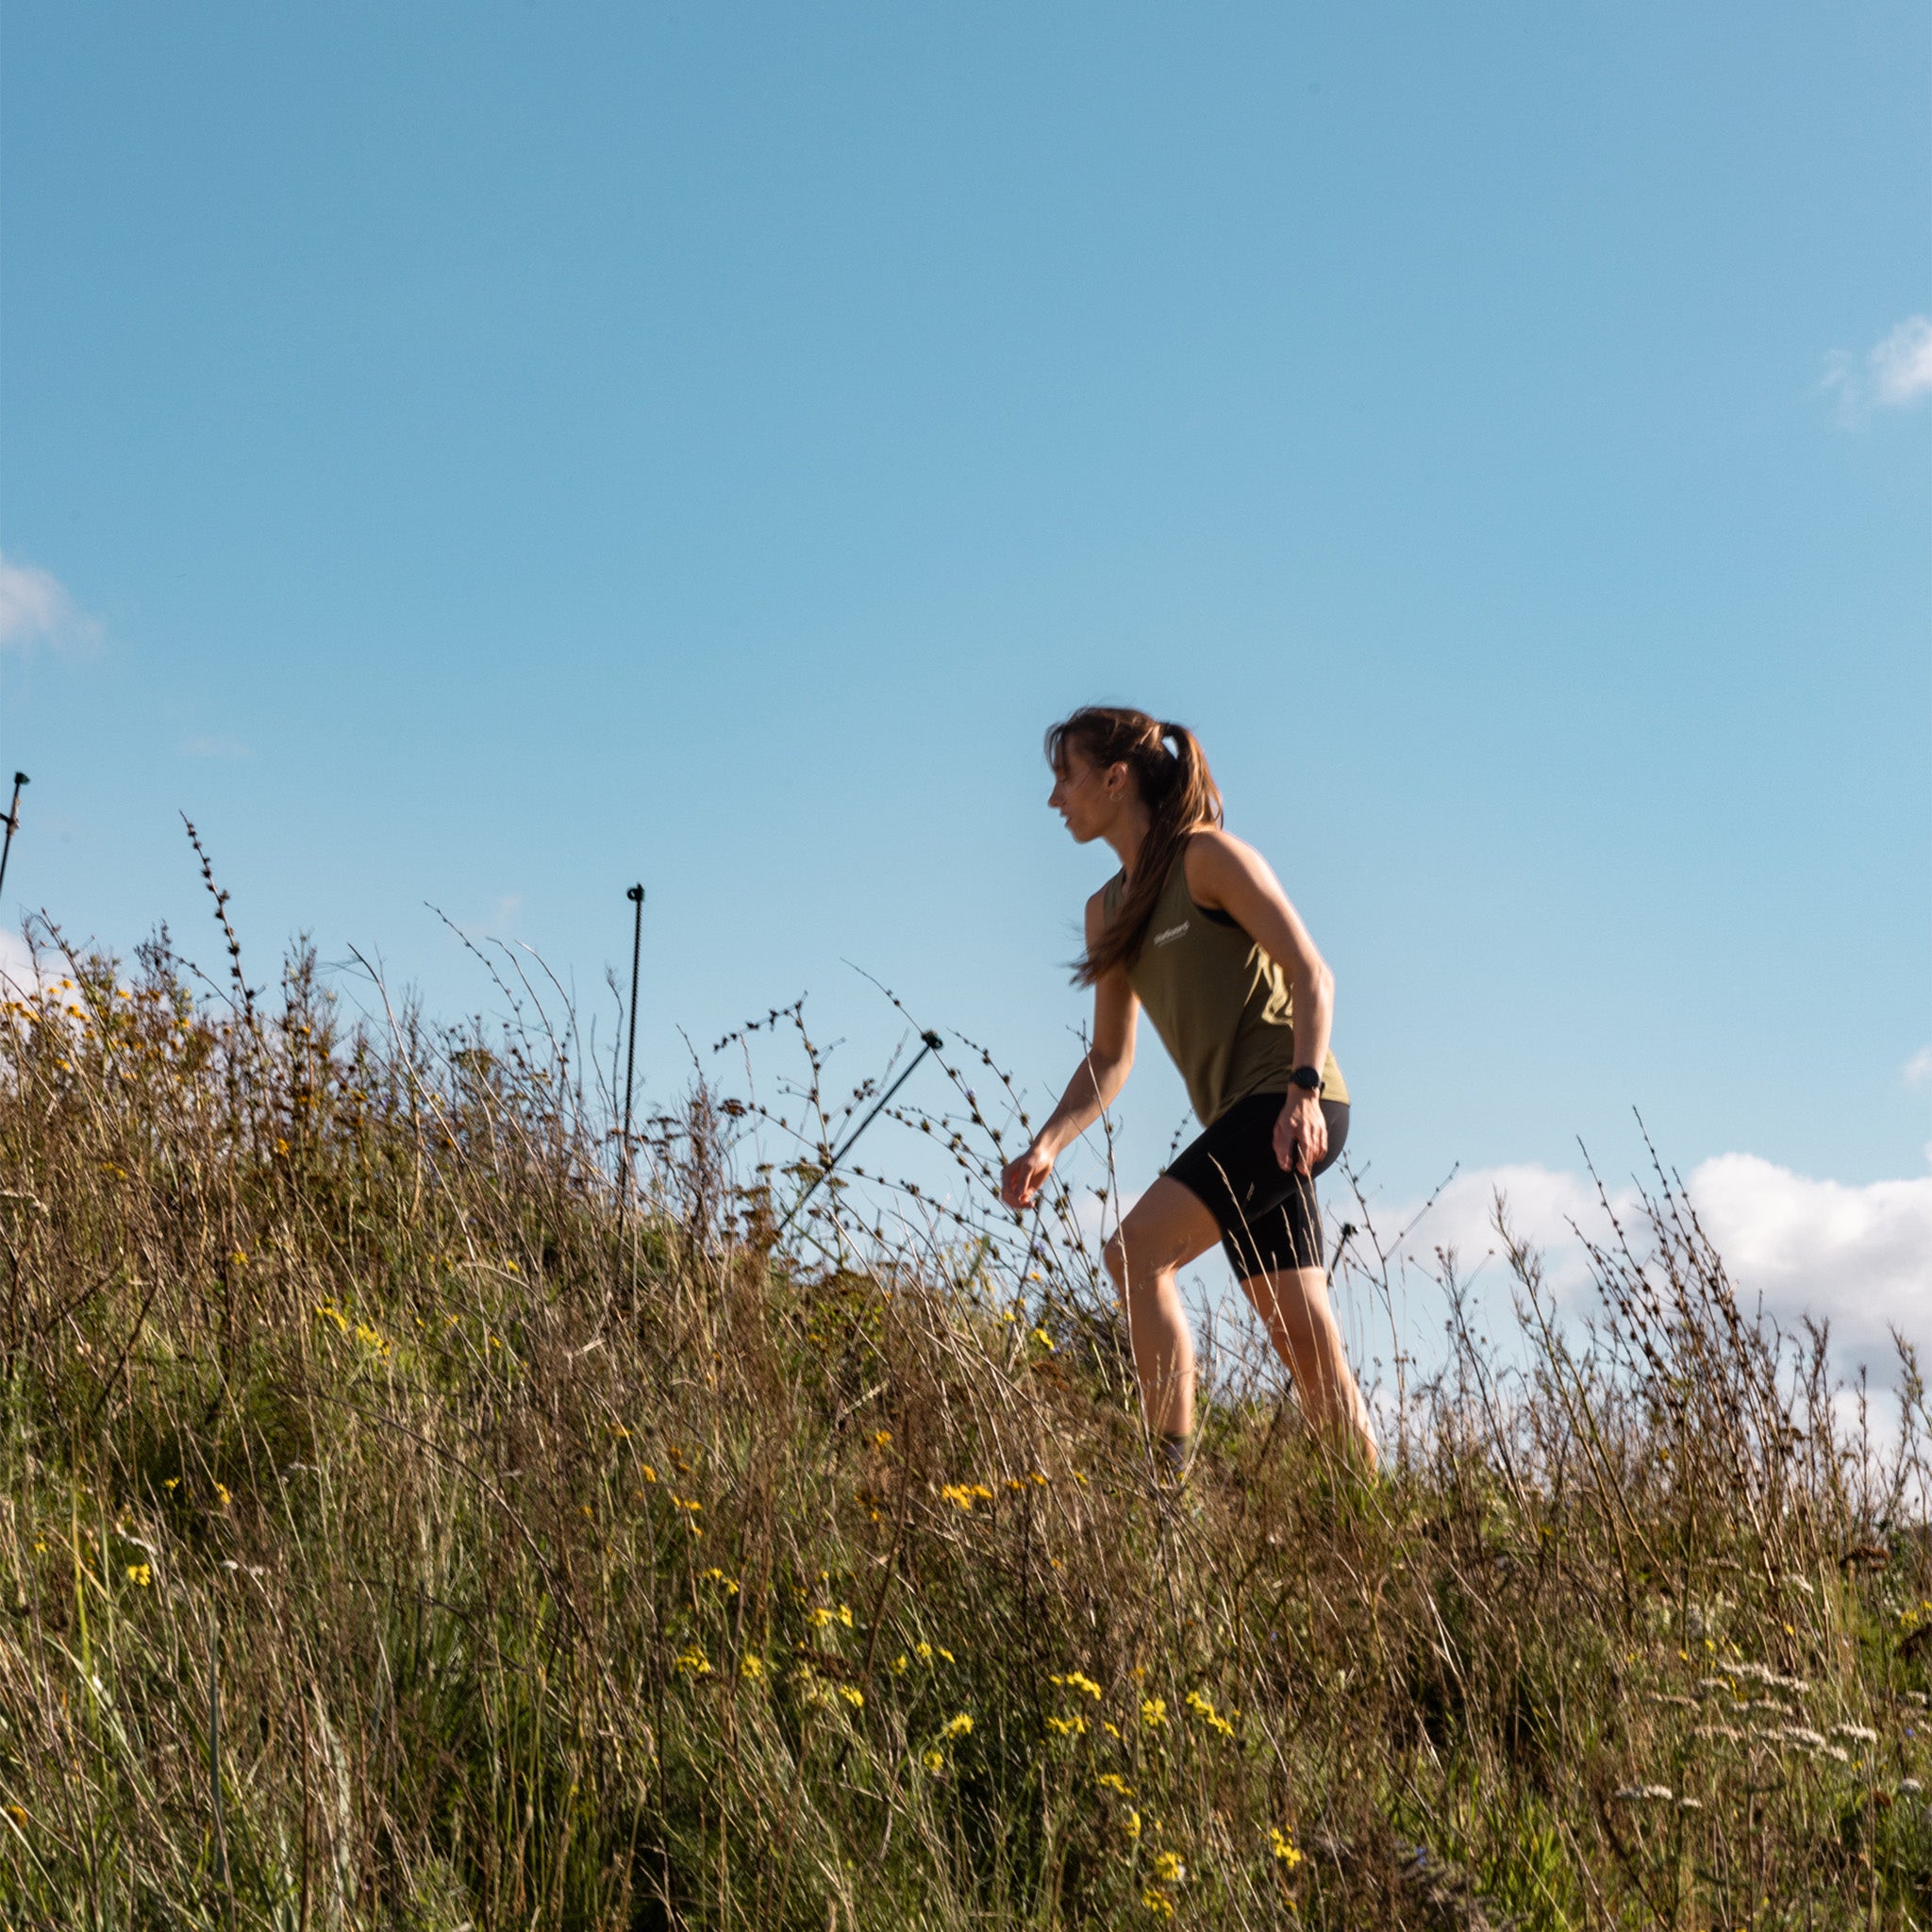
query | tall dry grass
[395, 1535]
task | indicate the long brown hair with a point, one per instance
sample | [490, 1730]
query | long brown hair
[1176, 785]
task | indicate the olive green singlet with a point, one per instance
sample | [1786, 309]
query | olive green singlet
[1221, 1004]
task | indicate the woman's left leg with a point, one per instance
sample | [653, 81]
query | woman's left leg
[1293, 1301]
[1165, 1229]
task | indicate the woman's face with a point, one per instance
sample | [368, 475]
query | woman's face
[1087, 796]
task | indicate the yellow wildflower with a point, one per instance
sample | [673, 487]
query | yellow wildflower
[958, 1495]
[880, 1437]
[853, 1697]
[1283, 1848]
[1067, 1726]
[935, 1761]
[957, 1726]
[1131, 1825]
[139, 1573]
[1158, 1904]
[1113, 1781]
[1203, 1709]
[1168, 1868]
[1154, 1713]
[899, 1665]
[696, 1663]
[1044, 1339]
[753, 1667]
[1077, 1680]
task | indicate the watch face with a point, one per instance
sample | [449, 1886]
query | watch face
[1307, 1079]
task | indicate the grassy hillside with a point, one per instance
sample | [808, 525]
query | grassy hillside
[392, 1535]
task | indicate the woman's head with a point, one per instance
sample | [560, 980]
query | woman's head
[1109, 761]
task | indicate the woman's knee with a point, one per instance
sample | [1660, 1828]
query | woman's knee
[1298, 1301]
[1136, 1273]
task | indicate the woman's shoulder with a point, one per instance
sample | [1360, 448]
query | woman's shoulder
[1211, 851]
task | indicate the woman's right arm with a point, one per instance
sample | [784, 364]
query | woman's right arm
[1096, 1082]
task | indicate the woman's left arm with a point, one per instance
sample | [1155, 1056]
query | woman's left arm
[1226, 875]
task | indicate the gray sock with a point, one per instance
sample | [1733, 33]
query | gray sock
[1178, 1451]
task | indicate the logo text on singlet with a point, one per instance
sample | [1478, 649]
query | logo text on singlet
[1173, 932]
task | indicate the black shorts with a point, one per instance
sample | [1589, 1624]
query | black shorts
[1269, 1217]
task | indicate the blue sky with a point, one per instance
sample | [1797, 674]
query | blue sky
[483, 454]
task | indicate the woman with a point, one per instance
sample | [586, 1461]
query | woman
[1195, 928]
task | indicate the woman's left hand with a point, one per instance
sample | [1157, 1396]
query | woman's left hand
[1301, 1133]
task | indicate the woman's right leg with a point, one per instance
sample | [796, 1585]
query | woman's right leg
[1293, 1301]
[1165, 1229]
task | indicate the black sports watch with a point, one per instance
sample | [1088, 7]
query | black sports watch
[1307, 1079]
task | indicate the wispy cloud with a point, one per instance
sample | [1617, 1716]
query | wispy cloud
[1918, 1068]
[499, 923]
[1901, 365]
[215, 746]
[35, 607]
[1891, 375]
[1859, 1255]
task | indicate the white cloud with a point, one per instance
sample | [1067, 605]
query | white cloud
[1893, 374]
[16, 963]
[1917, 1069]
[1545, 1208]
[1901, 365]
[1859, 1257]
[35, 607]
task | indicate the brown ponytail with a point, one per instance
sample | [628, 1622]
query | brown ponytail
[1176, 785]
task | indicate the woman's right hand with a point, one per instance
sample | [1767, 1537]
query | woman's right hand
[1021, 1180]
